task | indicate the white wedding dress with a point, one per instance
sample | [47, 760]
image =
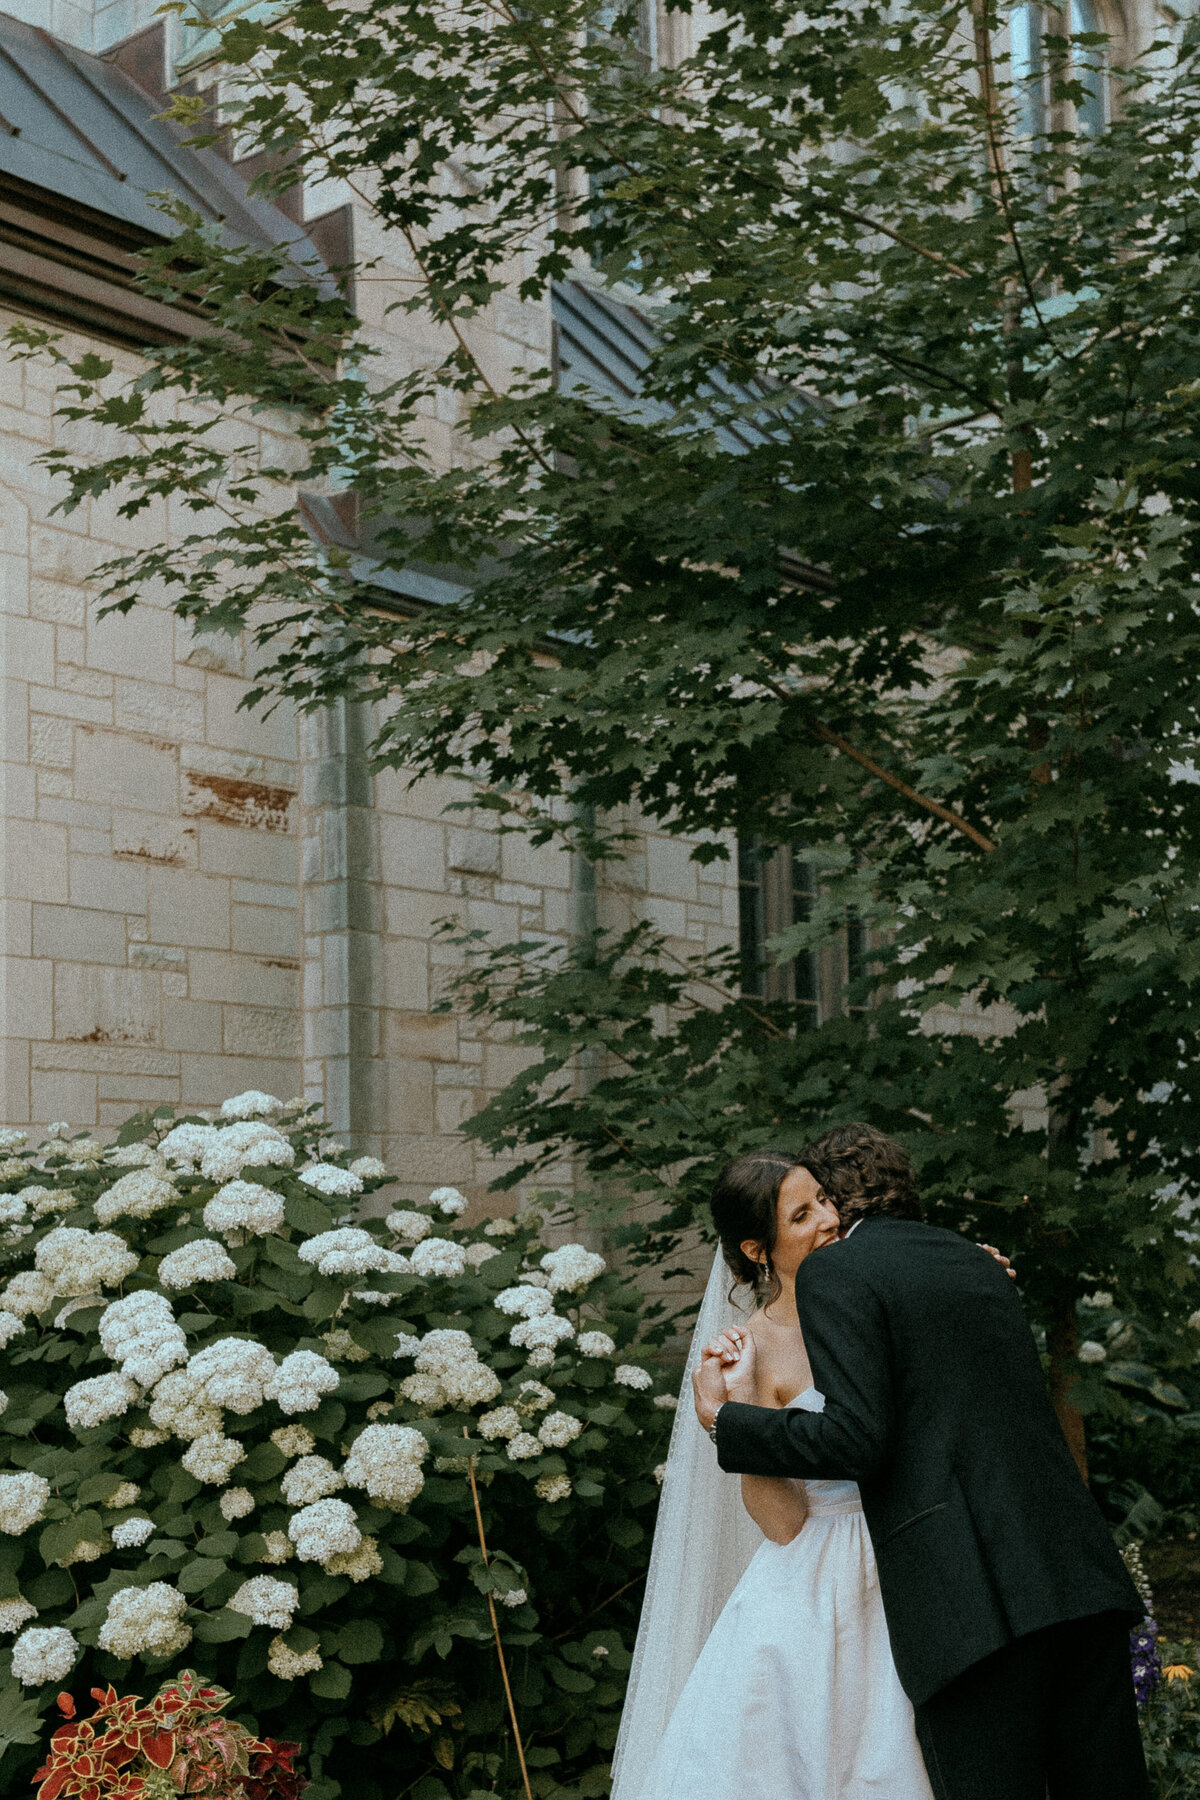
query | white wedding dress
[794, 1695]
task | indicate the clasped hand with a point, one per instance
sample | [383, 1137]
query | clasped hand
[725, 1372]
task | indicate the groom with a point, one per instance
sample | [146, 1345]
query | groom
[1007, 1605]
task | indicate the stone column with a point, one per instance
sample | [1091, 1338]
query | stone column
[342, 903]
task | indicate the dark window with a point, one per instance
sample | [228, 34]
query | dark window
[776, 889]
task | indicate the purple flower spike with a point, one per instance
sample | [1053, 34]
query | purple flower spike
[1146, 1661]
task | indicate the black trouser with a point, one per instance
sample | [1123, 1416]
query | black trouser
[1050, 1714]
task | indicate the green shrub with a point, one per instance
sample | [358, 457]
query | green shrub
[236, 1442]
[1171, 1727]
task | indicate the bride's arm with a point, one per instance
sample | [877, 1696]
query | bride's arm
[777, 1504]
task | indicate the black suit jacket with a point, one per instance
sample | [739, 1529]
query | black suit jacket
[935, 1403]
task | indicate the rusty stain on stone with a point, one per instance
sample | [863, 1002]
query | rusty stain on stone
[254, 804]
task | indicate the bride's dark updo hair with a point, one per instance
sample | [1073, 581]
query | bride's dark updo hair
[745, 1205]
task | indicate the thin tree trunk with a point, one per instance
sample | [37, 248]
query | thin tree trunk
[1062, 1342]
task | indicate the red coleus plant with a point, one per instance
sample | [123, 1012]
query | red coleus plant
[114, 1754]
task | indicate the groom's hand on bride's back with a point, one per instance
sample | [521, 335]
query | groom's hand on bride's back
[1001, 1259]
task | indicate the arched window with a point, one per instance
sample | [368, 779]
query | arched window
[1089, 66]
[1029, 25]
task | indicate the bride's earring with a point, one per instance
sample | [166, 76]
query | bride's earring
[764, 1272]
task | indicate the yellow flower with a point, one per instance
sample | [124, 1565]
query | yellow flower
[1178, 1672]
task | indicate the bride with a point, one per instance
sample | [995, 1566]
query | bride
[762, 1669]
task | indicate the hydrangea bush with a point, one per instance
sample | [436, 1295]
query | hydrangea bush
[238, 1418]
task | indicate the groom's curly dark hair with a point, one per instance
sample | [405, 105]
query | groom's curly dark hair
[864, 1172]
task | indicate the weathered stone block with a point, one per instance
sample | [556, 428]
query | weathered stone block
[123, 771]
[187, 907]
[105, 1006]
[78, 934]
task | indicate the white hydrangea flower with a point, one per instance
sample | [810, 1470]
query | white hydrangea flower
[541, 1333]
[60, 1129]
[253, 1104]
[266, 1600]
[29, 1291]
[666, 1402]
[1091, 1352]
[324, 1529]
[301, 1381]
[376, 1296]
[449, 1201]
[204, 1259]
[629, 1375]
[85, 1550]
[535, 1277]
[142, 1438]
[350, 1250]
[186, 1144]
[11, 1138]
[499, 1228]
[145, 1621]
[137, 1195]
[660, 1473]
[368, 1168]
[236, 1503]
[342, 1346]
[326, 1178]
[175, 1406]
[243, 1209]
[213, 1457]
[478, 1254]
[277, 1547]
[250, 1144]
[312, 1478]
[362, 1564]
[523, 1446]
[289, 1665]
[1194, 1321]
[235, 1373]
[409, 1227]
[534, 1396]
[505, 1422]
[293, 1440]
[23, 1501]
[438, 1256]
[12, 1209]
[79, 1262]
[130, 1534]
[425, 1391]
[452, 1357]
[98, 1398]
[85, 1151]
[43, 1653]
[140, 1333]
[571, 1268]
[558, 1429]
[386, 1461]
[524, 1301]
[16, 1612]
[513, 1597]
[406, 1344]
[133, 1156]
[552, 1487]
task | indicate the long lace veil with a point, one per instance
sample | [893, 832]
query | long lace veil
[703, 1542]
